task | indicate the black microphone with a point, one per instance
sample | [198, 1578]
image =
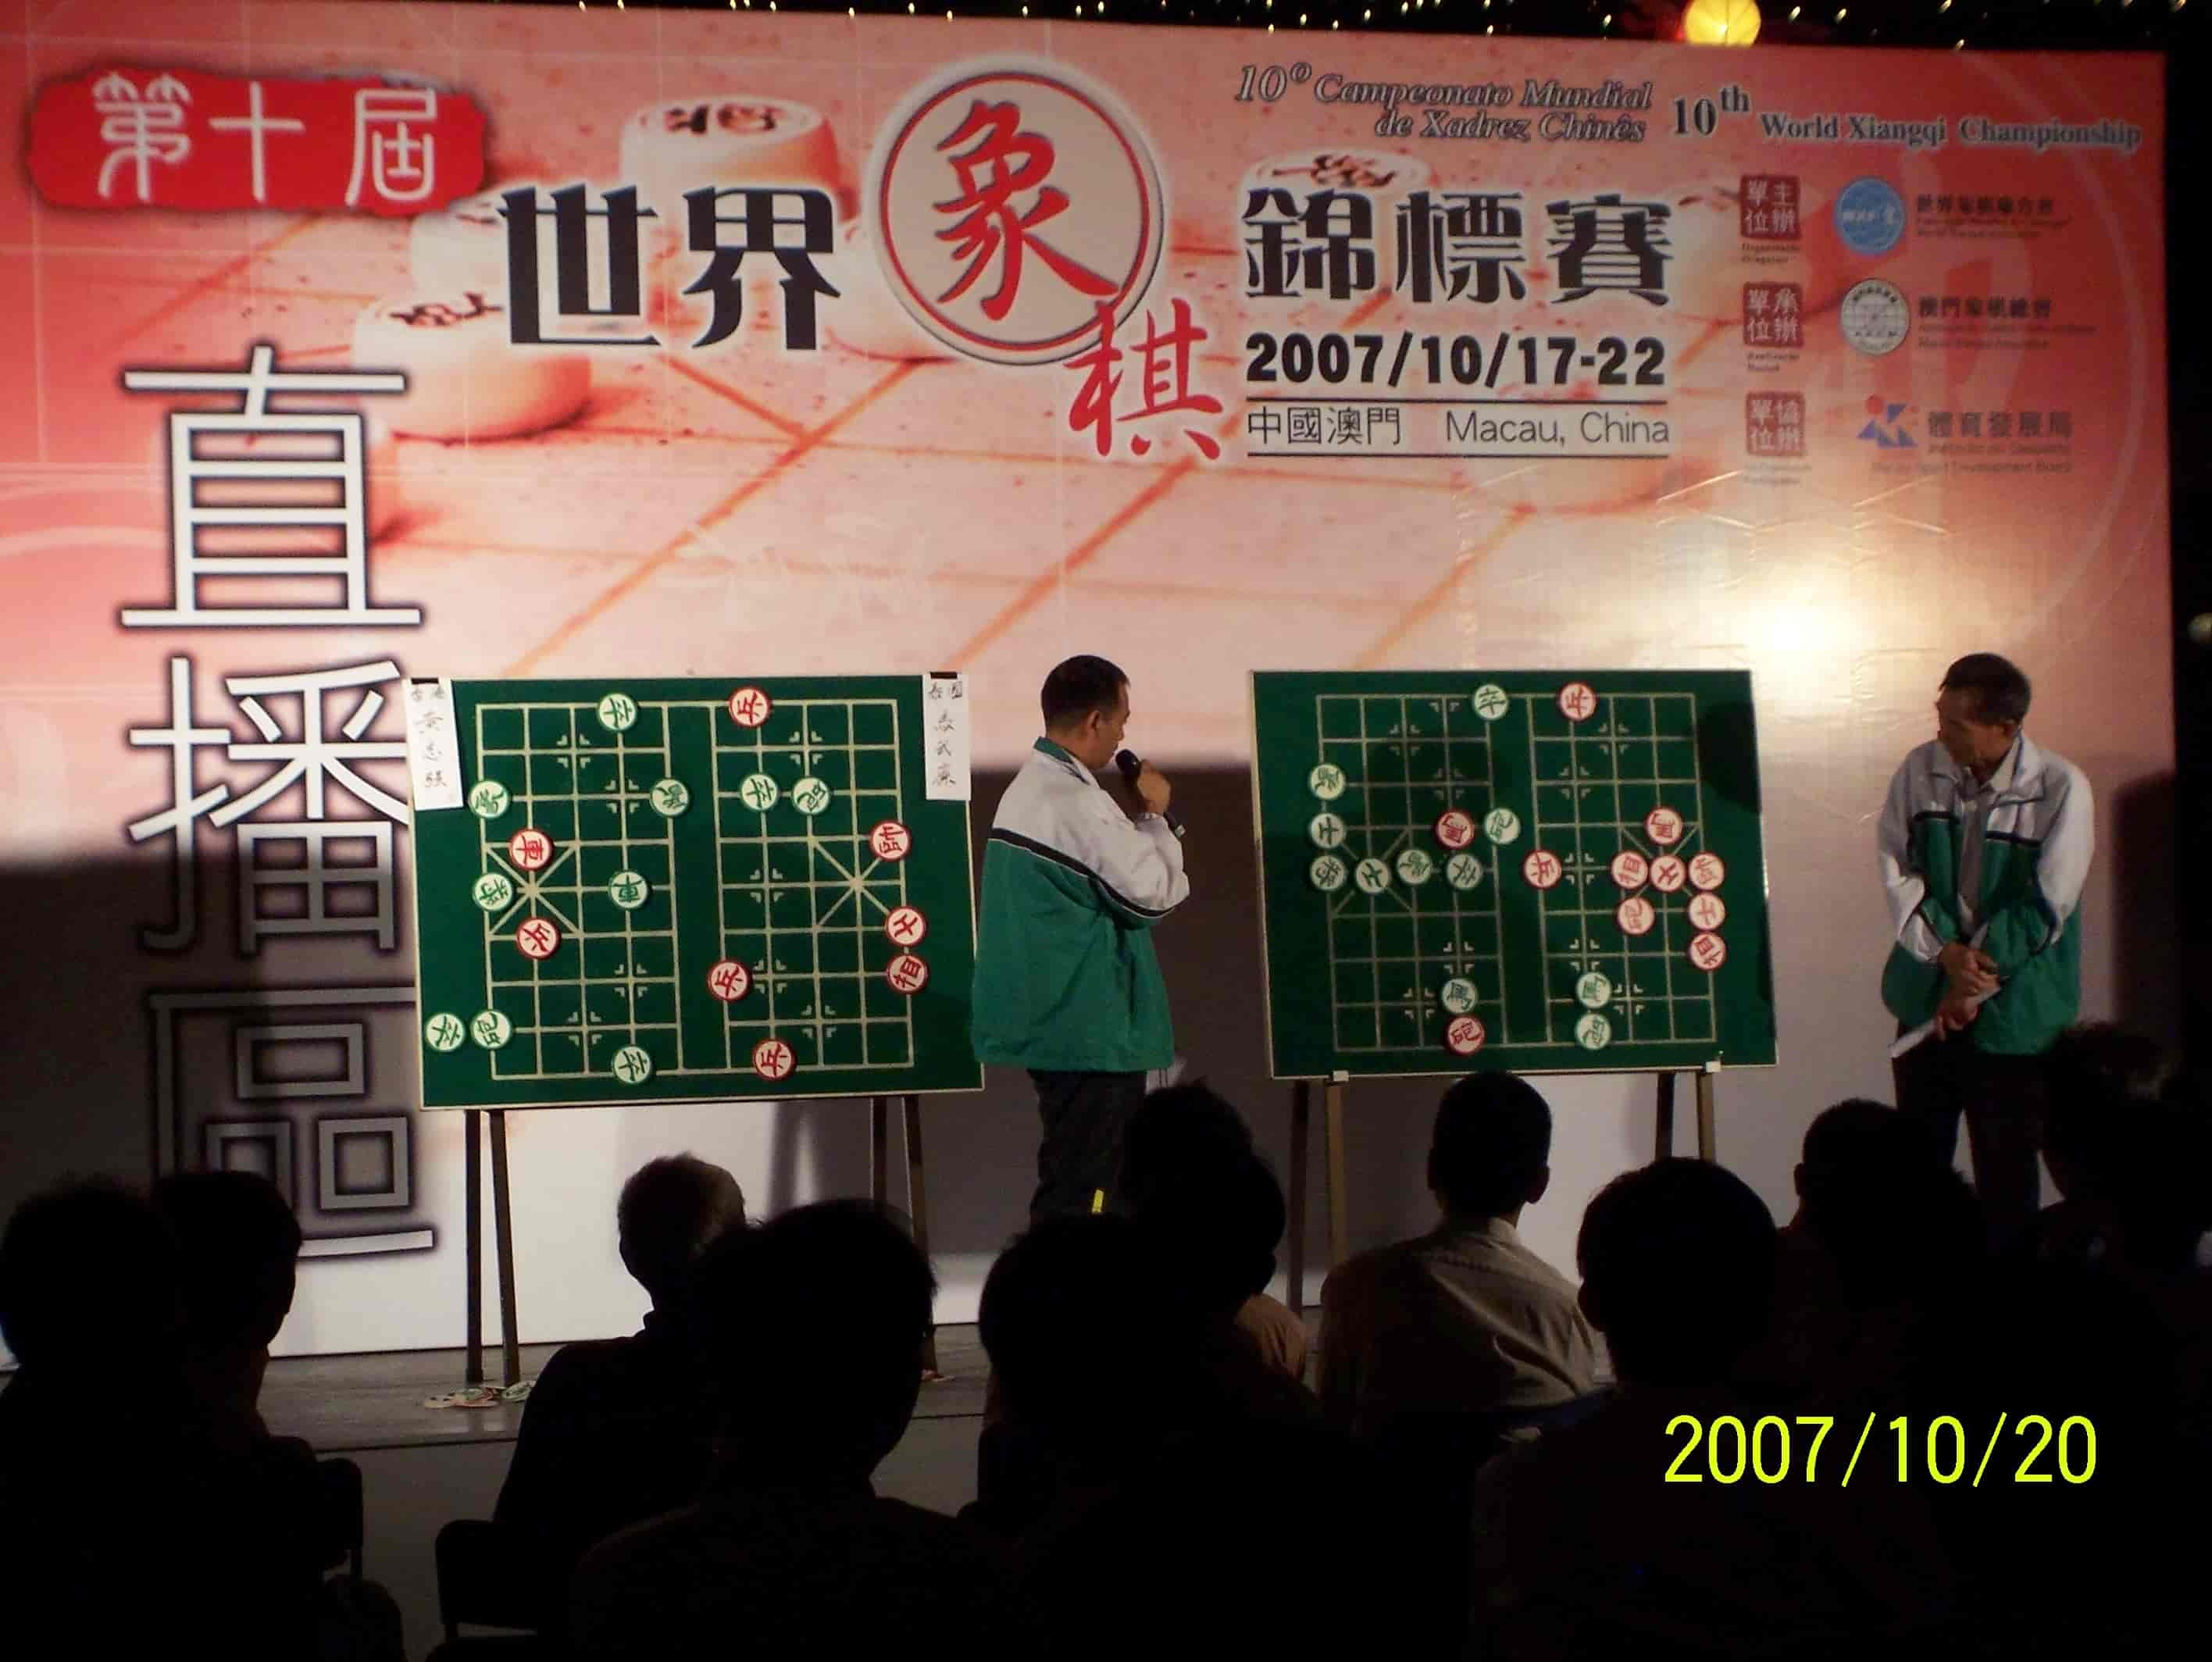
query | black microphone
[1130, 767]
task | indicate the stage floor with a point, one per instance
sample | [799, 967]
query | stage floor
[340, 1403]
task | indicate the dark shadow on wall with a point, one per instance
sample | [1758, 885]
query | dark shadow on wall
[73, 1021]
[297, 1060]
[79, 1032]
[2147, 992]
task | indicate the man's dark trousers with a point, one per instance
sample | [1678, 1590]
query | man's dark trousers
[1085, 1115]
[2001, 1098]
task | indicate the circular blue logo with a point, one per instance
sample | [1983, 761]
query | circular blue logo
[1869, 217]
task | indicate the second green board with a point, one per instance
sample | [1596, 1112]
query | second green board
[1545, 871]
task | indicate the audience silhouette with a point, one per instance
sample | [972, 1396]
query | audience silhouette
[1474, 1477]
[1582, 1548]
[1151, 1484]
[137, 1514]
[1462, 1332]
[1188, 1151]
[789, 1548]
[618, 1430]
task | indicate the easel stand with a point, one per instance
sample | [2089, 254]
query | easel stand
[1332, 1148]
[1663, 1145]
[1339, 1231]
[503, 1229]
[503, 1244]
[917, 1204]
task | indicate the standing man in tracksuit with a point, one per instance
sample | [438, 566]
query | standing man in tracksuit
[1985, 840]
[1066, 985]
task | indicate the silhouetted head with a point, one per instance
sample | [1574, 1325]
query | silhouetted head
[1067, 1296]
[1677, 1262]
[813, 1326]
[88, 1284]
[238, 1254]
[1490, 1152]
[1857, 1148]
[1214, 1225]
[2096, 1077]
[1176, 1131]
[669, 1210]
[2163, 1197]
[1879, 1196]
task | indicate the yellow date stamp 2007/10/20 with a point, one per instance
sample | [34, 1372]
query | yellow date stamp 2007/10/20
[2035, 1449]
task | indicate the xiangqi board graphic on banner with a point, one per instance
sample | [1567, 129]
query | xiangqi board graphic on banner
[356, 345]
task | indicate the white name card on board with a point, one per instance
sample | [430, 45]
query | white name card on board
[434, 751]
[944, 736]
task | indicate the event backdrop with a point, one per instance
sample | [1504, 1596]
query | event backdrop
[352, 343]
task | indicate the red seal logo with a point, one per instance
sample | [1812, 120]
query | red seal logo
[1008, 201]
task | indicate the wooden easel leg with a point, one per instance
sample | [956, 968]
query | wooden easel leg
[1664, 1144]
[879, 1156]
[917, 1205]
[1339, 1225]
[502, 1229]
[1704, 1115]
[1301, 1111]
[472, 1231]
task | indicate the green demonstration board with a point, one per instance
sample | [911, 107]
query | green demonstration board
[1554, 871]
[688, 890]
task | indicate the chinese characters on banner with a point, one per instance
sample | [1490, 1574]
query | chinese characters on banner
[312, 797]
[181, 138]
[793, 228]
[1451, 245]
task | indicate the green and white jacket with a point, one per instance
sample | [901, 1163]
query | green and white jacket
[2040, 836]
[1065, 979]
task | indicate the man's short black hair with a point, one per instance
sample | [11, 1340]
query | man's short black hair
[1880, 1194]
[239, 1251]
[1038, 1322]
[2096, 1075]
[843, 1294]
[1178, 1129]
[1678, 1263]
[2000, 691]
[670, 1210]
[89, 1280]
[1492, 1141]
[1079, 686]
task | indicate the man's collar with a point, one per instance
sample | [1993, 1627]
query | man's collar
[2022, 763]
[1490, 1228]
[2007, 770]
[1067, 759]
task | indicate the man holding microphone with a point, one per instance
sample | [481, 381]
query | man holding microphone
[1066, 983]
